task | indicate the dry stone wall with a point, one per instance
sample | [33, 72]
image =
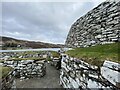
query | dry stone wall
[27, 68]
[54, 62]
[99, 26]
[76, 73]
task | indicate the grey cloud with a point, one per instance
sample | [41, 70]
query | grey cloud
[48, 22]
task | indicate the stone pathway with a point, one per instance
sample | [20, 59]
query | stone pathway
[50, 80]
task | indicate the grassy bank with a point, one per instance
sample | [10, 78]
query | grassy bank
[5, 71]
[97, 54]
[19, 59]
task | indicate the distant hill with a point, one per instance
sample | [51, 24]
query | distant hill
[12, 42]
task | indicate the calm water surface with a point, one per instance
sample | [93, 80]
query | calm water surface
[41, 49]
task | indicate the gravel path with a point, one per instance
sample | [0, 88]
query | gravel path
[50, 80]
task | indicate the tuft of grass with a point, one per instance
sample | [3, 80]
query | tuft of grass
[97, 54]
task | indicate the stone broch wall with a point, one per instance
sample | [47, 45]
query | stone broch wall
[100, 25]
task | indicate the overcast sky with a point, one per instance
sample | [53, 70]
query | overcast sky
[46, 22]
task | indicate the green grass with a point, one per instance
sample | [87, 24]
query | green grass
[4, 71]
[19, 59]
[55, 54]
[48, 59]
[97, 54]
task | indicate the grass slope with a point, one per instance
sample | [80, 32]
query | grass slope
[97, 54]
[4, 71]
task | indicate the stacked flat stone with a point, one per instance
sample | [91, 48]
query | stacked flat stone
[8, 55]
[99, 26]
[27, 68]
[54, 62]
[31, 69]
[79, 74]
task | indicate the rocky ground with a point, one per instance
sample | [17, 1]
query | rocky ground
[50, 80]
